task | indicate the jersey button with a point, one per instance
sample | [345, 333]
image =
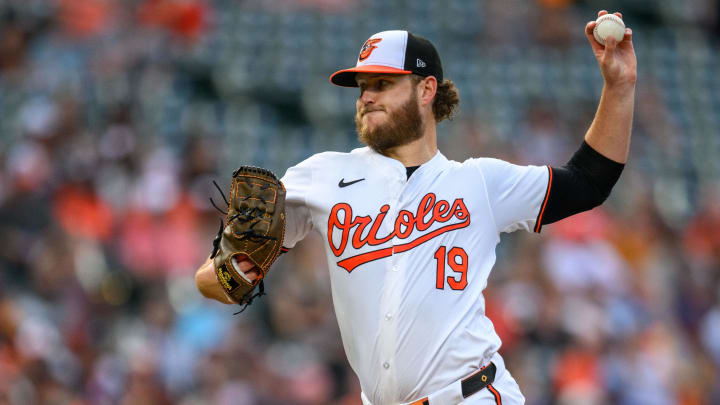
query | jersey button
[386, 365]
[388, 316]
[394, 268]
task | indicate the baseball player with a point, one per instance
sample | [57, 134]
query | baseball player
[410, 236]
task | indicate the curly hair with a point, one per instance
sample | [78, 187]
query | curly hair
[447, 98]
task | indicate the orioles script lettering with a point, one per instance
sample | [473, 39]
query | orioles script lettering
[354, 229]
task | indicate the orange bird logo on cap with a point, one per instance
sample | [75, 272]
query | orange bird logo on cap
[367, 48]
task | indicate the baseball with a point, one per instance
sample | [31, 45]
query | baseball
[606, 25]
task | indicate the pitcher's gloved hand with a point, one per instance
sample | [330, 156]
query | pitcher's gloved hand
[253, 232]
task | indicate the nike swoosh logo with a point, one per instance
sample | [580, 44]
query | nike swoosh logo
[350, 183]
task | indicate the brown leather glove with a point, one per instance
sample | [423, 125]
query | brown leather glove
[254, 230]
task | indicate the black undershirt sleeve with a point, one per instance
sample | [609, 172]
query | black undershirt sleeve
[581, 185]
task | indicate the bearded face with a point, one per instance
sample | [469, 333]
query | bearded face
[401, 126]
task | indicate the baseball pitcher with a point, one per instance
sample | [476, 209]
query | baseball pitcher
[410, 235]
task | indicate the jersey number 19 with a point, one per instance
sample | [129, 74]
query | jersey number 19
[458, 261]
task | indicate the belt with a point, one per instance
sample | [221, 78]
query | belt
[472, 383]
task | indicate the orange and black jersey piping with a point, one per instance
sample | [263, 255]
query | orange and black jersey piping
[581, 185]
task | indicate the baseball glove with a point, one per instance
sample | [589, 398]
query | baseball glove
[254, 229]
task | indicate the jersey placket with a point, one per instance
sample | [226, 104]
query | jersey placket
[391, 299]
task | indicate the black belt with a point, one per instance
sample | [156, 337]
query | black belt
[472, 383]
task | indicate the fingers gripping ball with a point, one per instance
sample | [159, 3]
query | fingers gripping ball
[608, 25]
[254, 230]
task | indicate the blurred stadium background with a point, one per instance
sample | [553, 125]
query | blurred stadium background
[116, 115]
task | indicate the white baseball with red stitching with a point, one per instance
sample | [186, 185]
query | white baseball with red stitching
[609, 25]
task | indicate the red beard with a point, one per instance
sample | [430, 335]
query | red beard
[404, 126]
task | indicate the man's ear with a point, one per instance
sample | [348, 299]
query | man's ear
[426, 90]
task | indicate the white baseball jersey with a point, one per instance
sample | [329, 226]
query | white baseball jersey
[409, 258]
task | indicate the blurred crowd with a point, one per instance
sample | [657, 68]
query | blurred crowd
[115, 117]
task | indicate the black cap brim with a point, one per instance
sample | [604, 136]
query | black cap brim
[346, 77]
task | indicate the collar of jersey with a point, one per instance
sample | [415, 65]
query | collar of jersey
[436, 163]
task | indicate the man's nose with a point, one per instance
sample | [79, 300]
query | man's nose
[367, 97]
